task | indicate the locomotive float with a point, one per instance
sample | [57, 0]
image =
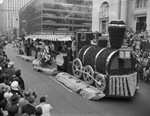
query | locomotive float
[110, 69]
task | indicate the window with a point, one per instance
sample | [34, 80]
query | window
[141, 3]
[104, 10]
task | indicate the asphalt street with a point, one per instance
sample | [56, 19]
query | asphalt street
[68, 103]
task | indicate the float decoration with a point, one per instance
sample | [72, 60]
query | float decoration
[116, 33]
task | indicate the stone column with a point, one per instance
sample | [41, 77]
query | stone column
[124, 10]
[148, 19]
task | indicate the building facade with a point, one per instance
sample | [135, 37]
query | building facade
[135, 13]
[56, 16]
[10, 10]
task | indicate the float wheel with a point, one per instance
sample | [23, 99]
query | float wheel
[101, 82]
[88, 71]
[77, 68]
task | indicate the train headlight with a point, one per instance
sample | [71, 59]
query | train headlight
[125, 53]
[59, 60]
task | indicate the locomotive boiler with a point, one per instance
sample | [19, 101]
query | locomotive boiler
[109, 69]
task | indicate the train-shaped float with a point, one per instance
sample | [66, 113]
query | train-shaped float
[104, 63]
[110, 69]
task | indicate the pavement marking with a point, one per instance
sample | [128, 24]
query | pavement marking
[62, 85]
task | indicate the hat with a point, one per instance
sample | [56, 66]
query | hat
[10, 64]
[27, 94]
[0, 68]
[7, 95]
[14, 98]
[14, 85]
[94, 42]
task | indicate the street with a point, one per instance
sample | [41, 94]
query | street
[68, 103]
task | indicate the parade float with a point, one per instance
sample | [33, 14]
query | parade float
[109, 69]
[49, 55]
[96, 66]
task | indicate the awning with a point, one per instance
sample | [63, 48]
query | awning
[50, 37]
[65, 38]
[30, 36]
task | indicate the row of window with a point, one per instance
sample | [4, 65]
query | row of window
[68, 15]
[67, 21]
[63, 28]
[77, 2]
[67, 8]
[141, 3]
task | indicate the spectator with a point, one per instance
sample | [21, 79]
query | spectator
[30, 107]
[46, 108]
[15, 88]
[24, 100]
[3, 88]
[10, 71]
[38, 111]
[13, 108]
[147, 79]
[19, 79]
[7, 96]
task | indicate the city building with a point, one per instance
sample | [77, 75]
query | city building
[135, 13]
[55, 16]
[10, 10]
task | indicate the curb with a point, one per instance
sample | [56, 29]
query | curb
[46, 71]
[26, 58]
[79, 86]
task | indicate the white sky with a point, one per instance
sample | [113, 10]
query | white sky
[1, 1]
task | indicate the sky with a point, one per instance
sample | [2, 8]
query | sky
[1, 1]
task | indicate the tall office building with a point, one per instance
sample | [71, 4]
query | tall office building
[11, 8]
[56, 16]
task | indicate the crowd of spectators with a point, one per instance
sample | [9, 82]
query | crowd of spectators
[140, 47]
[15, 99]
